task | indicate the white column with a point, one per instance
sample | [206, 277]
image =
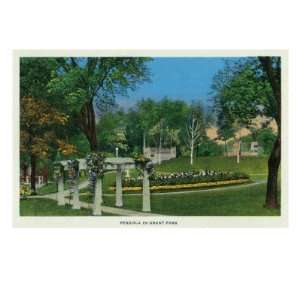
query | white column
[76, 204]
[146, 192]
[60, 191]
[119, 198]
[98, 200]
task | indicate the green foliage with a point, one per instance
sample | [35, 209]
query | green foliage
[111, 132]
[209, 148]
[81, 143]
[35, 73]
[241, 93]
[246, 142]
[96, 79]
[225, 127]
[266, 139]
[163, 119]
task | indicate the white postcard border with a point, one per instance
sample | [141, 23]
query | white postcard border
[153, 221]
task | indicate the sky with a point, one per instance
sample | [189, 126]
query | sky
[186, 78]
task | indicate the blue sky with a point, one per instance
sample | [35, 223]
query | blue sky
[186, 78]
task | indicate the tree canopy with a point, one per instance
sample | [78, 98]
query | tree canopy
[88, 86]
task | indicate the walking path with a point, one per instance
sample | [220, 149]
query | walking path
[116, 211]
[105, 209]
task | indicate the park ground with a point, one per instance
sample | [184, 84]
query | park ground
[243, 200]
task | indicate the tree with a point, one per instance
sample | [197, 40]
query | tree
[148, 112]
[134, 131]
[151, 112]
[157, 132]
[195, 129]
[238, 140]
[89, 85]
[209, 147]
[225, 130]
[172, 137]
[266, 139]
[38, 124]
[111, 132]
[248, 89]
[35, 74]
[272, 70]
[40, 136]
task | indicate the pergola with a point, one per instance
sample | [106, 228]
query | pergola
[117, 164]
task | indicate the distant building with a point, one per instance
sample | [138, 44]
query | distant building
[164, 154]
[253, 151]
[41, 176]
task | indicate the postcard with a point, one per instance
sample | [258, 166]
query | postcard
[150, 138]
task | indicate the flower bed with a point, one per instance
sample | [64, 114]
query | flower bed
[25, 190]
[185, 180]
[188, 186]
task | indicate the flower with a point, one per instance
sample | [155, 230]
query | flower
[25, 190]
[186, 186]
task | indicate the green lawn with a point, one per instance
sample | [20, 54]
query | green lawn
[256, 167]
[47, 207]
[240, 201]
[51, 187]
[108, 180]
[249, 165]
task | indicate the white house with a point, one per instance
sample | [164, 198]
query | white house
[158, 155]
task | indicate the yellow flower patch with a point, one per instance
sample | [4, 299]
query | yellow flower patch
[185, 186]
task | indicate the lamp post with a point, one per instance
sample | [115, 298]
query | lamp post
[117, 152]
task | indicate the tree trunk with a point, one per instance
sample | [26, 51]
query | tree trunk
[273, 167]
[192, 153]
[88, 124]
[24, 171]
[159, 149]
[273, 73]
[92, 129]
[144, 141]
[238, 151]
[225, 147]
[33, 174]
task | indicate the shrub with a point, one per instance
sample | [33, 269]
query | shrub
[210, 148]
[25, 190]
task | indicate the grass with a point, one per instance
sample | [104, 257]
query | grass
[248, 165]
[108, 180]
[240, 201]
[48, 188]
[47, 207]
[51, 187]
[256, 167]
